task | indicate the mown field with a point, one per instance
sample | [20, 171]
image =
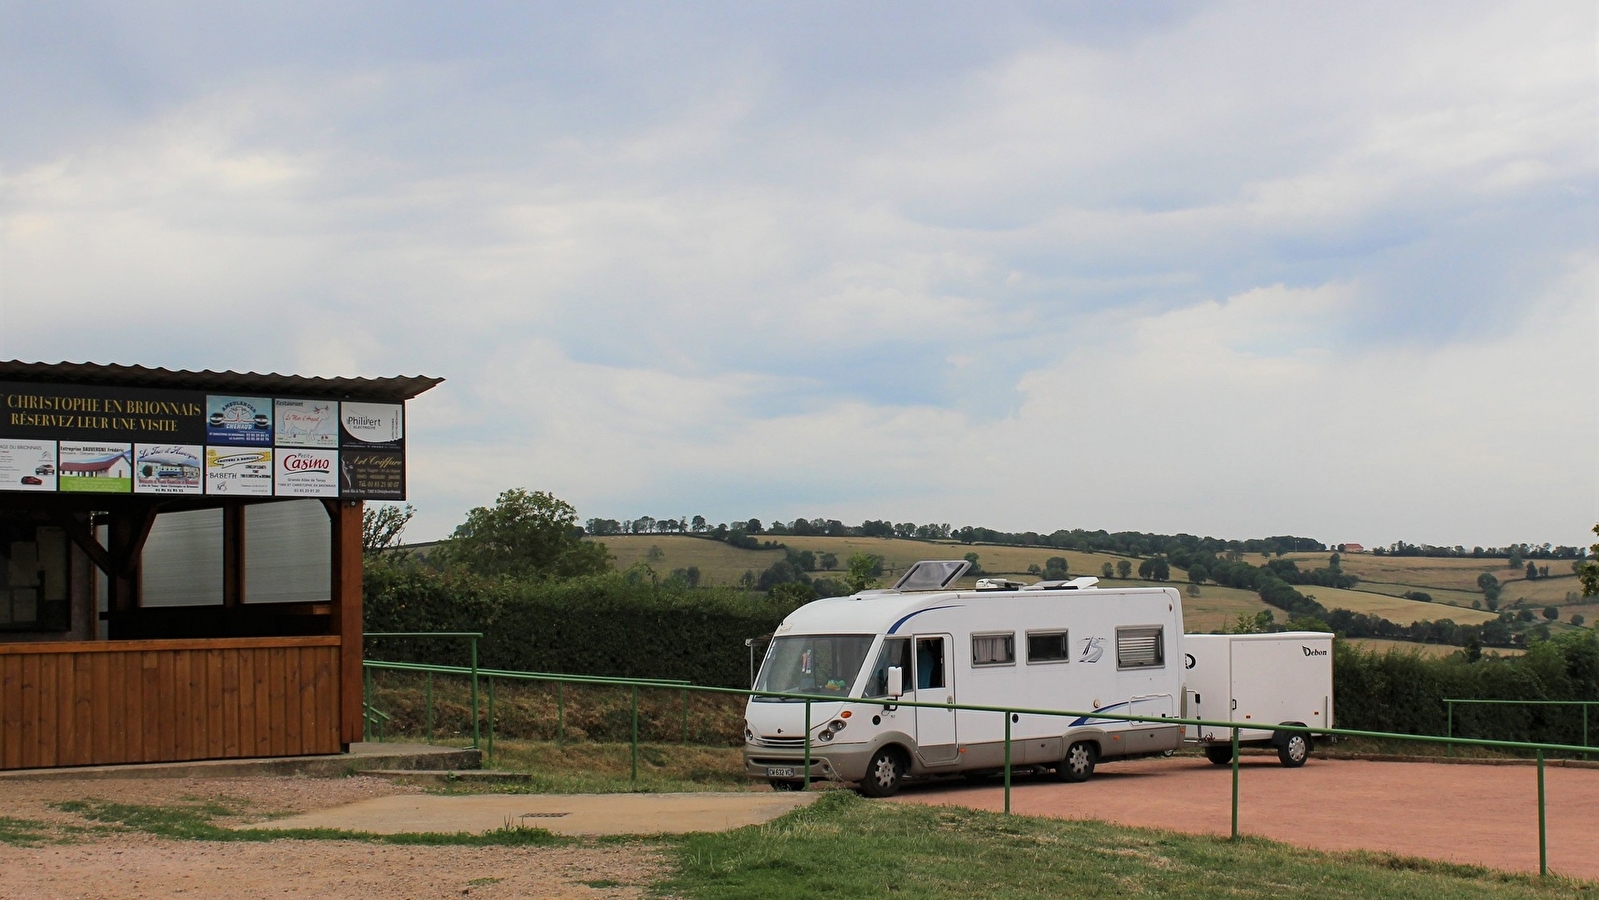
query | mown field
[1384, 645]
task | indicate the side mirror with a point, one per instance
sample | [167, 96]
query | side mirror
[896, 682]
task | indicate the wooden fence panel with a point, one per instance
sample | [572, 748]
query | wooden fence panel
[110, 702]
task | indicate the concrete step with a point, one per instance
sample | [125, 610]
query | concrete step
[362, 756]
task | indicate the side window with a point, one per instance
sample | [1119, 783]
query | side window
[929, 663]
[1141, 648]
[895, 652]
[1047, 647]
[994, 649]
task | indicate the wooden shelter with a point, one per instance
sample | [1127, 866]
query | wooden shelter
[95, 668]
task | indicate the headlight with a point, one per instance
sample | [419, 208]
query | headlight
[749, 736]
[837, 725]
[825, 735]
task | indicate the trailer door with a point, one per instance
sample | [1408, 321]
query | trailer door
[1266, 675]
[935, 728]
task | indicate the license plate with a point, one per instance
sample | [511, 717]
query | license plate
[779, 771]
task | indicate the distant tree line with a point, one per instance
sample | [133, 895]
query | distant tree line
[1517, 552]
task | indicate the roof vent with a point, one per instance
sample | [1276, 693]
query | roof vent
[932, 575]
[997, 584]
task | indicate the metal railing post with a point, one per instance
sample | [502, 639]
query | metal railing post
[475, 726]
[1007, 762]
[1585, 728]
[366, 703]
[1449, 707]
[1235, 784]
[684, 692]
[805, 783]
[491, 718]
[634, 776]
[560, 712]
[430, 708]
[1543, 833]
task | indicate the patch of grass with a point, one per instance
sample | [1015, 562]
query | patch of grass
[194, 823]
[22, 832]
[480, 882]
[589, 768]
[601, 883]
[845, 847]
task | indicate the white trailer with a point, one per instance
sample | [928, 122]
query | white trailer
[1052, 645]
[1273, 679]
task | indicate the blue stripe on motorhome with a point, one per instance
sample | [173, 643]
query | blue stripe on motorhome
[1084, 719]
[895, 626]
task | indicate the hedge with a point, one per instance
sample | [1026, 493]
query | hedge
[600, 625]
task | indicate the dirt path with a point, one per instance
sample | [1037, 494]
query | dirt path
[1481, 815]
[132, 866]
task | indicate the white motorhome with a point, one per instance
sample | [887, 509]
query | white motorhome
[1053, 645]
[1283, 678]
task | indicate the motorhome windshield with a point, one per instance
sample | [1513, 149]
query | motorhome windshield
[814, 664]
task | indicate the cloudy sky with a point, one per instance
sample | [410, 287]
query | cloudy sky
[1225, 269]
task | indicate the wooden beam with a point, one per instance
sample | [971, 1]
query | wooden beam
[346, 551]
[233, 555]
[83, 536]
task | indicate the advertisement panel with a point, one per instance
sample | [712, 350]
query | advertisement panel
[168, 468]
[103, 414]
[306, 423]
[307, 473]
[95, 468]
[238, 472]
[373, 426]
[27, 465]
[372, 474]
[238, 421]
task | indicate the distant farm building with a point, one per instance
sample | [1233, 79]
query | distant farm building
[1351, 548]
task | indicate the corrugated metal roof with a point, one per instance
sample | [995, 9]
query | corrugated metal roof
[400, 387]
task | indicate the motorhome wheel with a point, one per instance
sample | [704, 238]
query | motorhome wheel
[883, 774]
[1293, 752]
[1220, 754]
[1079, 762]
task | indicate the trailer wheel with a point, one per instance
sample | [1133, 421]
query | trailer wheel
[1079, 762]
[1294, 750]
[883, 774]
[1220, 754]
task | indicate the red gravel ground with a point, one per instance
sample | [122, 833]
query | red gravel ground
[1480, 815]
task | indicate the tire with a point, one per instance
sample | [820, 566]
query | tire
[1220, 754]
[1294, 750]
[780, 785]
[1078, 766]
[884, 774]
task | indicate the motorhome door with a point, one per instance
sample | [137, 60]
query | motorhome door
[935, 728]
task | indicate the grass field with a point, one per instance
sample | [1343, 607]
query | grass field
[845, 847]
[718, 563]
[1383, 645]
[1394, 609]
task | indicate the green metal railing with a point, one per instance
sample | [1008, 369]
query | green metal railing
[634, 684]
[473, 636]
[1449, 707]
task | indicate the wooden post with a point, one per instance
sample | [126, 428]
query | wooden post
[346, 587]
[232, 554]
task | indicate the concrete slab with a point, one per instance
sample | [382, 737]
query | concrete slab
[361, 757]
[570, 814]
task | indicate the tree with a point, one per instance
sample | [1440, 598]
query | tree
[1198, 573]
[976, 568]
[1532, 571]
[861, 571]
[1107, 571]
[1124, 569]
[1154, 569]
[791, 594]
[524, 534]
[1577, 619]
[654, 554]
[698, 525]
[1486, 579]
[780, 572]
[828, 561]
[1588, 570]
[1551, 613]
[382, 526]
[1056, 568]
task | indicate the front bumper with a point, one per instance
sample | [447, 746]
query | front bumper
[846, 762]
